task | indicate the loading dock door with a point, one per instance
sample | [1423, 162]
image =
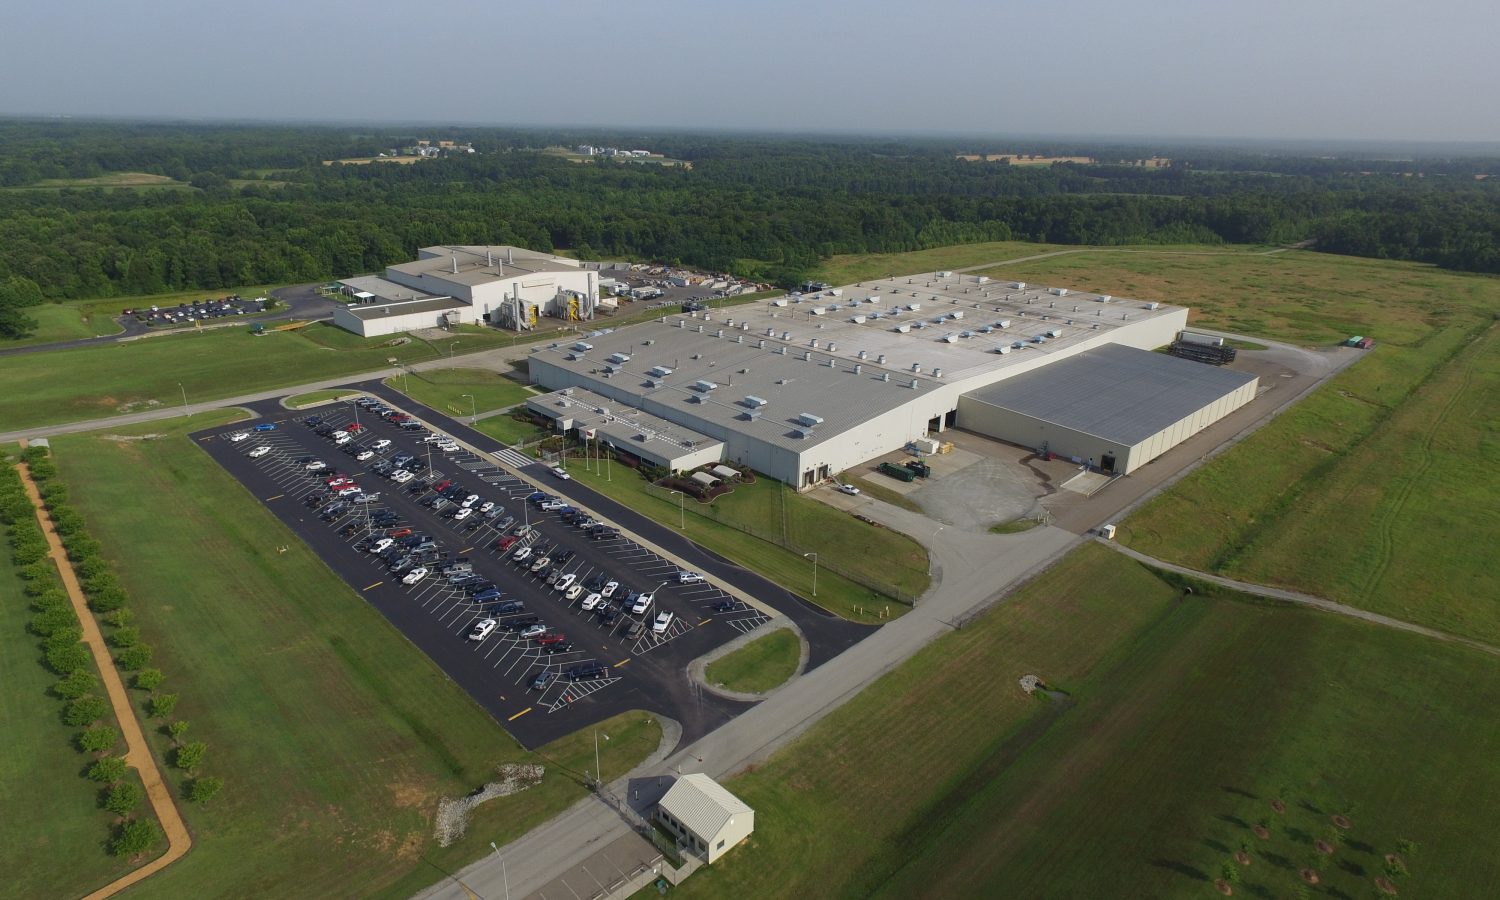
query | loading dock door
[1107, 462]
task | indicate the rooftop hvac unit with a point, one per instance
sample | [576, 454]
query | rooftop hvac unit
[719, 333]
[858, 368]
[880, 359]
[917, 368]
[786, 335]
[982, 279]
[1105, 298]
[949, 338]
[863, 355]
[739, 339]
[567, 392]
[818, 310]
[704, 386]
[658, 371]
[781, 348]
[700, 329]
[1153, 305]
[583, 346]
[938, 372]
[913, 384]
[808, 420]
[770, 332]
[957, 314]
[914, 307]
[750, 415]
[885, 376]
[832, 347]
[1061, 292]
[760, 344]
[945, 274]
[1002, 349]
[903, 328]
[619, 359]
[1054, 333]
[874, 298]
[830, 362]
[813, 343]
[1020, 285]
[753, 402]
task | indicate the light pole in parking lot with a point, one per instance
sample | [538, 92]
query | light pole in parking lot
[184, 397]
[814, 558]
[473, 412]
[503, 876]
[451, 348]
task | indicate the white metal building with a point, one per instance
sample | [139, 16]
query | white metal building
[376, 319]
[641, 434]
[506, 286]
[706, 818]
[804, 387]
[1114, 407]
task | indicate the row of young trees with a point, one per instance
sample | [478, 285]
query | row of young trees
[56, 624]
[759, 208]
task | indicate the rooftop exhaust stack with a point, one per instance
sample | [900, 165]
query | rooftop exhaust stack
[885, 376]
[455, 263]
[913, 384]
[937, 373]
[916, 368]
[509, 255]
[880, 359]
[858, 368]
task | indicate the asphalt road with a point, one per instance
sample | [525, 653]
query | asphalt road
[647, 672]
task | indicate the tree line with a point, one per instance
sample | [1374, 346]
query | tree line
[265, 209]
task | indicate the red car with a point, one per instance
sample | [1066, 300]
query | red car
[556, 637]
[442, 485]
[506, 542]
[356, 428]
[335, 481]
[346, 487]
[398, 532]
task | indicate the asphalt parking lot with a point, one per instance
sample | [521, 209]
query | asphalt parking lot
[598, 663]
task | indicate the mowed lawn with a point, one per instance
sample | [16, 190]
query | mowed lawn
[855, 267]
[451, 390]
[1184, 717]
[52, 812]
[97, 382]
[767, 528]
[760, 665]
[335, 736]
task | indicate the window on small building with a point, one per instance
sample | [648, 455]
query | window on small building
[719, 846]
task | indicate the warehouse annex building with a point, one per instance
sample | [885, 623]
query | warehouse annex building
[465, 284]
[803, 387]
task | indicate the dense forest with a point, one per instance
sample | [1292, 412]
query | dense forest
[256, 204]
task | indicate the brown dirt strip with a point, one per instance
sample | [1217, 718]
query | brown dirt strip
[138, 753]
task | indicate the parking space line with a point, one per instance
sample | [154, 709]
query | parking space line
[519, 714]
[705, 622]
[277, 497]
[621, 663]
[375, 585]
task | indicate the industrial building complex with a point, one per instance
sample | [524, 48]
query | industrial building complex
[803, 387]
[452, 285]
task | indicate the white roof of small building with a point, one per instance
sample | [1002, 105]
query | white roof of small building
[702, 804]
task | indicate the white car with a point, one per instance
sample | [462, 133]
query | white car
[662, 623]
[689, 578]
[435, 439]
[470, 501]
[609, 589]
[316, 465]
[486, 506]
[448, 447]
[401, 476]
[541, 564]
[565, 582]
[560, 472]
[532, 631]
[521, 555]
[462, 514]
[574, 592]
[591, 601]
[258, 452]
[849, 489]
[239, 436]
[341, 440]
[380, 445]
[552, 505]
[483, 629]
[380, 545]
[642, 603]
[415, 575]
[364, 455]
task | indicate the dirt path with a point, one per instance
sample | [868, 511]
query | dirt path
[1261, 590]
[138, 753]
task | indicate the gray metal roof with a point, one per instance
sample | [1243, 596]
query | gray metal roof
[481, 264]
[1117, 393]
[622, 426]
[701, 804]
[384, 310]
[388, 291]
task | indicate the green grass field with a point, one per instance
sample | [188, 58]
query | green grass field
[335, 736]
[98, 382]
[512, 432]
[760, 665]
[72, 320]
[851, 268]
[1183, 718]
[810, 527]
[51, 811]
[445, 390]
[113, 181]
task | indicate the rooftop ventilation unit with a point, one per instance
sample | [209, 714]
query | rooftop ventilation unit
[583, 346]
[1105, 298]
[750, 415]
[1054, 333]
[808, 420]
[863, 355]
[917, 368]
[937, 373]
[786, 335]
[1061, 292]
[914, 307]
[1020, 285]
[619, 359]
[885, 376]
[760, 344]
[1153, 305]
[858, 320]
[880, 359]
[700, 329]
[806, 355]
[873, 298]
[818, 310]
[658, 371]
[704, 386]
[949, 338]
[753, 402]
[814, 343]
[719, 333]
[781, 348]
[913, 384]
[858, 368]
[903, 328]
[802, 433]
[1002, 349]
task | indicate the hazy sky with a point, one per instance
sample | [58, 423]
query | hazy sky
[1213, 68]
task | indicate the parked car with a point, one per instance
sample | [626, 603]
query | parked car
[541, 564]
[381, 545]
[542, 679]
[364, 455]
[266, 426]
[554, 649]
[609, 589]
[487, 595]
[462, 513]
[560, 472]
[565, 582]
[258, 452]
[506, 542]
[642, 603]
[572, 593]
[238, 436]
[534, 630]
[591, 602]
[556, 637]
[849, 489]
[316, 465]
[380, 445]
[483, 629]
[662, 623]
[689, 578]
[586, 672]
[552, 505]
[522, 555]
[730, 605]
[415, 575]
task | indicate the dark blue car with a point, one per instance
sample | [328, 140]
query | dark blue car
[266, 426]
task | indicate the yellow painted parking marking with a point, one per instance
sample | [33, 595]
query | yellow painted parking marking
[375, 585]
[519, 714]
[621, 663]
[277, 497]
[705, 621]
[466, 550]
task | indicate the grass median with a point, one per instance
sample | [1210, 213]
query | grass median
[335, 736]
[1184, 717]
[760, 665]
[772, 530]
[461, 392]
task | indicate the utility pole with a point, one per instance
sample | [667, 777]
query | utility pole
[814, 558]
[184, 398]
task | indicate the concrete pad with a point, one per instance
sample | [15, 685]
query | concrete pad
[609, 868]
[1086, 483]
[979, 495]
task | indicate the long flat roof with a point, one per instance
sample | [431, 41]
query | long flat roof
[624, 426]
[1113, 392]
[409, 307]
[388, 291]
[482, 264]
